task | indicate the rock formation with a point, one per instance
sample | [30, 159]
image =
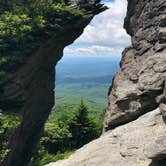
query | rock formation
[139, 86]
[29, 89]
[124, 146]
[136, 112]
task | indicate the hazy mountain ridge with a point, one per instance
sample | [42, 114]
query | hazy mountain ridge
[82, 70]
[87, 77]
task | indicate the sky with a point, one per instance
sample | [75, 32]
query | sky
[105, 35]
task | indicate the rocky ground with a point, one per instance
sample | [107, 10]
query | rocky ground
[127, 145]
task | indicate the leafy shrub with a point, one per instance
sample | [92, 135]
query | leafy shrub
[25, 25]
[66, 131]
[71, 129]
[42, 157]
[8, 123]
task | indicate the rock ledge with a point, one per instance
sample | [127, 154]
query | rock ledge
[123, 146]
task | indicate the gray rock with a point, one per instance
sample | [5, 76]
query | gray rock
[157, 149]
[139, 85]
[163, 110]
[123, 146]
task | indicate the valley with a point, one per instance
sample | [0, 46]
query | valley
[84, 77]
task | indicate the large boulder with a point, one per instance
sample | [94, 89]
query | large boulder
[139, 86]
[123, 146]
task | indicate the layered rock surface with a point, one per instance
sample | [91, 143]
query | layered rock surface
[139, 86]
[123, 146]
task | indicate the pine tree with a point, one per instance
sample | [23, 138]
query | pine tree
[82, 128]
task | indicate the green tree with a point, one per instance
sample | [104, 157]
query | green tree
[66, 130]
[83, 128]
[26, 24]
[8, 123]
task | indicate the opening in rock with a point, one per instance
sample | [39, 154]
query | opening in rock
[83, 78]
[92, 60]
[89, 64]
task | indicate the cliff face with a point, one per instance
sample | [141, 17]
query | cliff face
[29, 89]
[139, 86]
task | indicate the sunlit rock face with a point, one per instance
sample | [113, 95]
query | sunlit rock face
[123, 146]
[139, 86]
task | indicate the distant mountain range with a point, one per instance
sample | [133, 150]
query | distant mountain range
[87, 77]
[86, 69]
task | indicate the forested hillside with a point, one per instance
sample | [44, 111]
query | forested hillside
[87, 77]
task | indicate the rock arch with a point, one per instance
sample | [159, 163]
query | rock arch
[29, 88]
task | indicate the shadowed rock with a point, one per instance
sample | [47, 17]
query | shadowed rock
[140, 82]
[29, 88]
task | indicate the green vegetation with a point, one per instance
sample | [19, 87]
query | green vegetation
[42, 157]
[8, 123]
[87, 77]
[25, 25]
[93, 93]
[66, 131]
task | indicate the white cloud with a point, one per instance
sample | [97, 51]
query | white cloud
[105, 34]
[92, 50]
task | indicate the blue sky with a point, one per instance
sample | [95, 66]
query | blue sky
[105, 35]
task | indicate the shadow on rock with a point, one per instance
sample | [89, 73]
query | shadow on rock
[158, 163]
